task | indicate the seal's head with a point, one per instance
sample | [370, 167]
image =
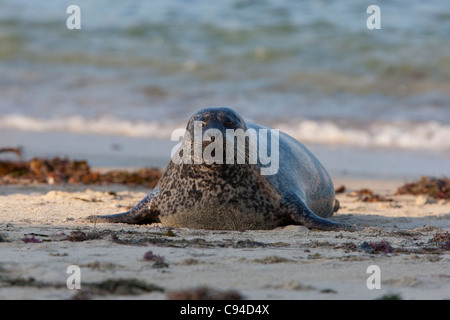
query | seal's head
[210, 133]
[218, 118]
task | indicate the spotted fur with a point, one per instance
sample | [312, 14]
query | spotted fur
[237, 196]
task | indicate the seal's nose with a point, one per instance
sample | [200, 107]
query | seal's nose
[213, 123]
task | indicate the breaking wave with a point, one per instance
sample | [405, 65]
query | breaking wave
[403, 135]
[428, 135]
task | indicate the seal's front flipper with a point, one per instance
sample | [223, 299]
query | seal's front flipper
[144, 212]
[302, 215]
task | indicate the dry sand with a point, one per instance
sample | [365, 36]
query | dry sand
[287, 263]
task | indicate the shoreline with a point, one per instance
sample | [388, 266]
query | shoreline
[343, 162]
[42, 235]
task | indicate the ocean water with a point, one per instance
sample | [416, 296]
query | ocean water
[369, 102]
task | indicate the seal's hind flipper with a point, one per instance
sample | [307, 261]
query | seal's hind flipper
[302, 215]
[144, 212]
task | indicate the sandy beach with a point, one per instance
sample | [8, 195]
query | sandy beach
[41, 235]
[111, 86]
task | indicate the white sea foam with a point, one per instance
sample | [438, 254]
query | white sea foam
[401, 135]
[428, 135]
[76, 124]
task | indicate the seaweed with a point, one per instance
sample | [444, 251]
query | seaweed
[170, 233]
[157, 259]
[383, 246]
[440, 237]
[121, 287]
[82, 294]
[62, 170]
[328, 290]
[3, 238]
[376, 247]
[110, 286]
[390, 296]
[204, 293]
[340, 189]
[150, 256]
[367, 195]
[347, 246]
[314, 256]
[445, 246]
[249, 244]
[31, 240]
[437, 188]
[441, 240]
[140, 241]
[272, 260]
[80, 236]
[23, 282]
[161, 239]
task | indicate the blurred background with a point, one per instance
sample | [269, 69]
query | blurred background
[368, 103]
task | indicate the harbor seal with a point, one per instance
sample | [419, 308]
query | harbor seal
[196, 193]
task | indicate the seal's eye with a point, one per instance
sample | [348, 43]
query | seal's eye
[229, 124]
